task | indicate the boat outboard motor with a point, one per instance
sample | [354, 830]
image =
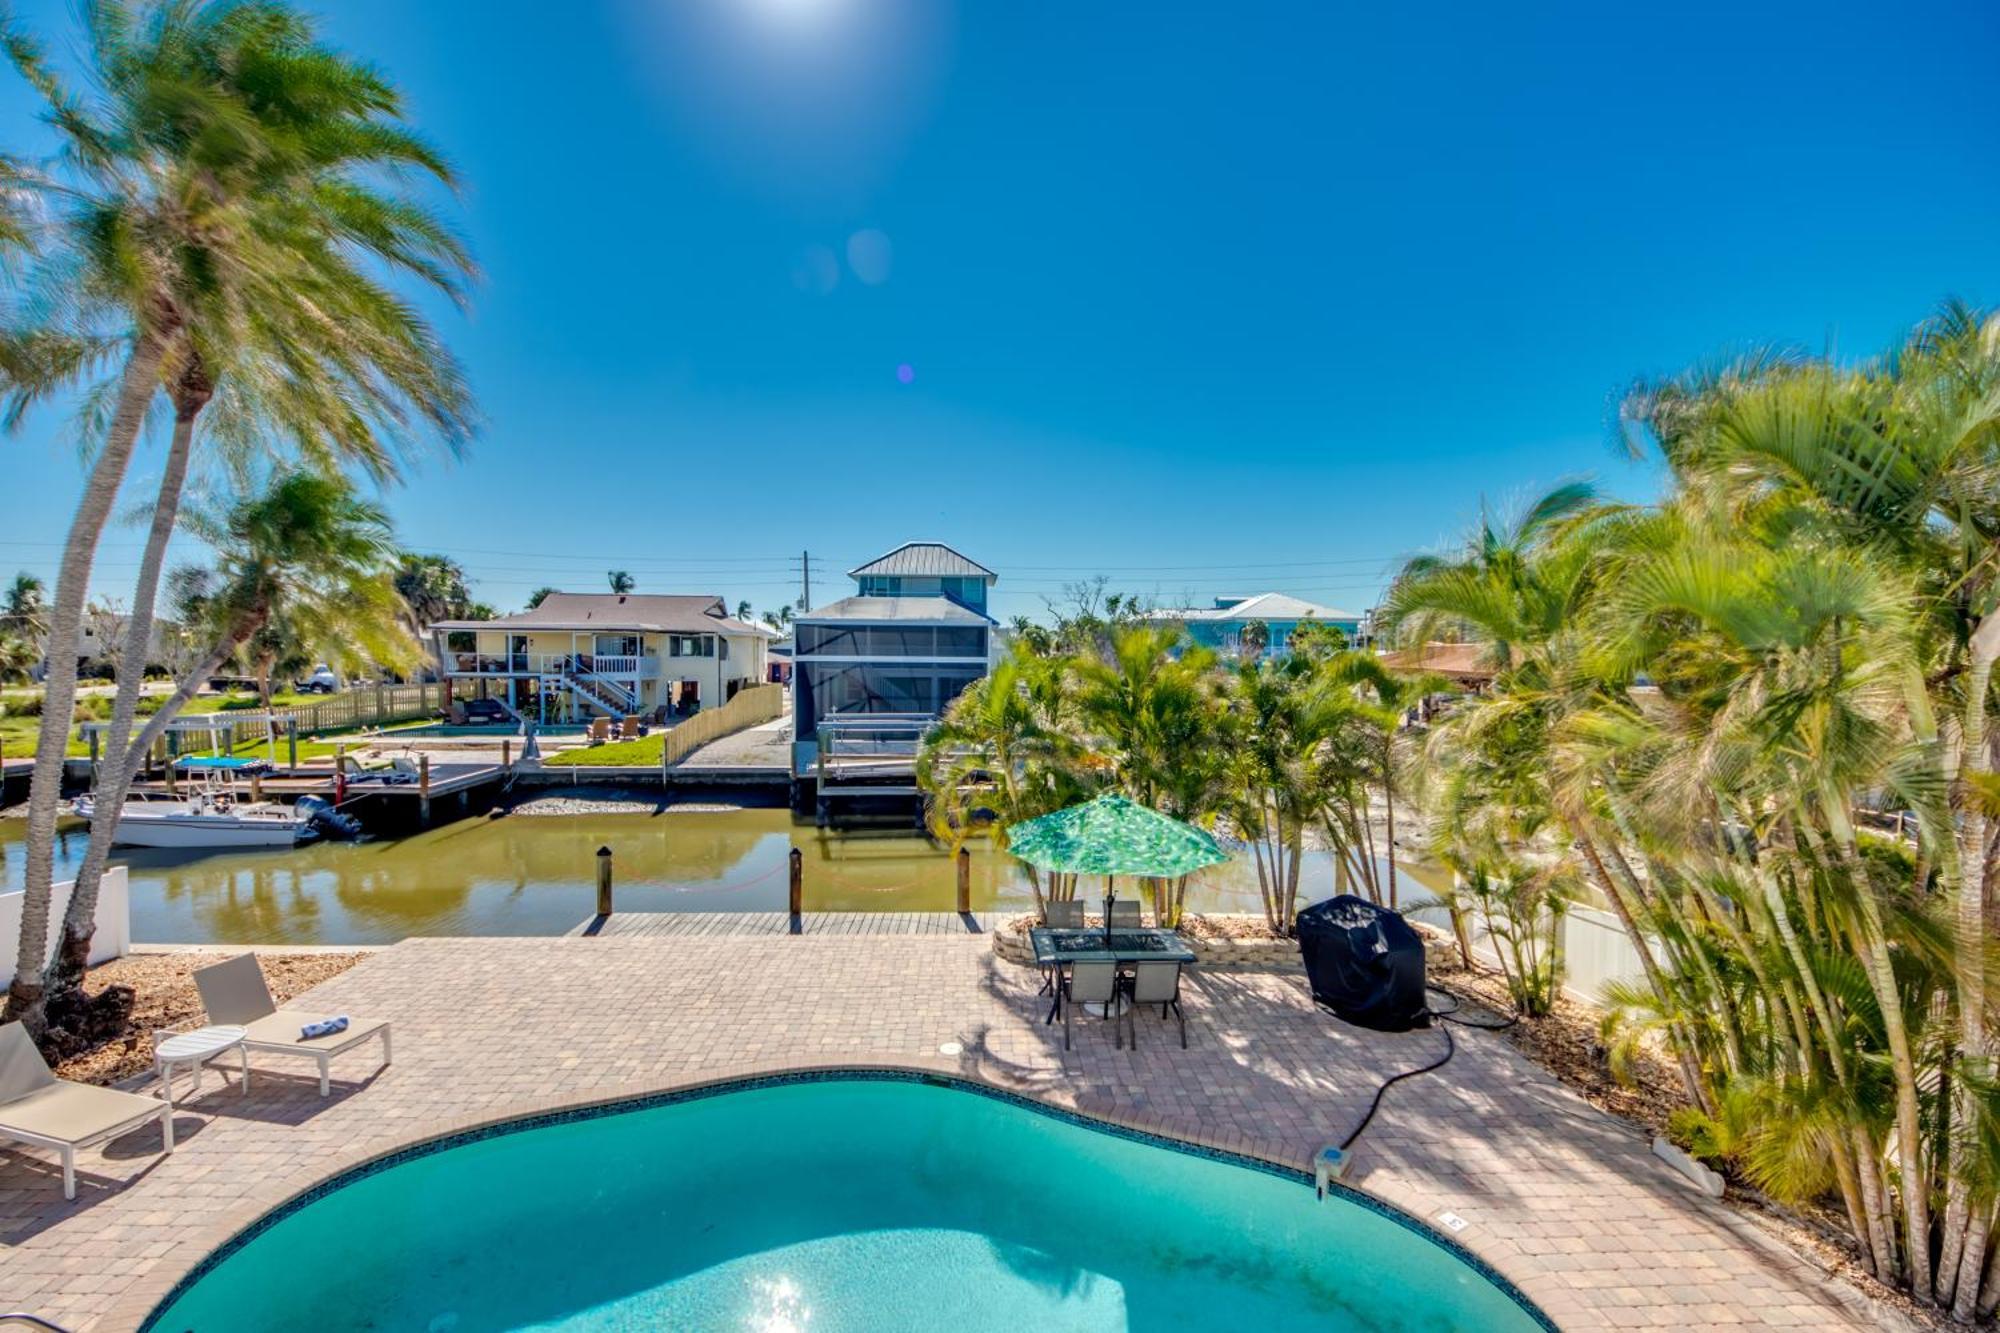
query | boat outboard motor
[325, 820]
[1364, 963]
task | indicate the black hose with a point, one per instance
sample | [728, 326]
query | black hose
[1445, 1017]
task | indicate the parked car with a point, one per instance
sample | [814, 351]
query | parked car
[321, 681]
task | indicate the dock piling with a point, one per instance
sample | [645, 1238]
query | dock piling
[798, 894]
[424, 789]
[603, 881]
[964, 881]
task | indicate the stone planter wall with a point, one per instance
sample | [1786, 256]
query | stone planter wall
[1013, 946]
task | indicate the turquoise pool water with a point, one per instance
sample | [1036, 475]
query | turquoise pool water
[835, 1205]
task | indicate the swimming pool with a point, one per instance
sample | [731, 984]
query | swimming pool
[841, 1202]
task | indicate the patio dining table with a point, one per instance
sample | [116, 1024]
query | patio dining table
[1057, 947]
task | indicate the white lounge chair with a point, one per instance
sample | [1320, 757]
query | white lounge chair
[234, 992]
[38, 1108]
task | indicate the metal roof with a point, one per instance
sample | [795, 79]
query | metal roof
[1264, 606]
[892, 610]
[925, 560]
[612, 612]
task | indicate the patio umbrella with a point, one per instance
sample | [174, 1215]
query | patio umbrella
[1113, 836]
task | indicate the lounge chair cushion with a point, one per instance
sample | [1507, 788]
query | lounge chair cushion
[73, 1112]
[281, 1031]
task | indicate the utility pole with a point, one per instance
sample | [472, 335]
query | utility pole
[806, 581]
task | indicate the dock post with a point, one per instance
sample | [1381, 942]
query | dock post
[256, 788]
[167, 762]
[424, 789]
[604, 881]
[964, 882]
[798, 895]
[292, 741]
[506, 756]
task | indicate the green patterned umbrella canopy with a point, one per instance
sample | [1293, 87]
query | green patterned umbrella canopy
[1113, 836]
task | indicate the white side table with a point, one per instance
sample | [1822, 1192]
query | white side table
[195, 1049]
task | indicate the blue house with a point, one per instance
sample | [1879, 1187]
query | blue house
[1221, 626]
[913, 636]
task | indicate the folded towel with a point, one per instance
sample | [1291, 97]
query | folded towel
[325, 1027]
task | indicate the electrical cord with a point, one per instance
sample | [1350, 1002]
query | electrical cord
[1446, 1018]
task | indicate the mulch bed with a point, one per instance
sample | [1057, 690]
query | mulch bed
[1565, 1042]
[127, 998]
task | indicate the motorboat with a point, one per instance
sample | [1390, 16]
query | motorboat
[211, 814]
[204, 819]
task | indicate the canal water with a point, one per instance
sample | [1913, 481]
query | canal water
[536, 875]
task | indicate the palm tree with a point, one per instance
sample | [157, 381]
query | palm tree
[538, 596]
[1151, 708]
[1002, 753]
[780, 619]
[620, 581]
[18, 656]
[1254, 638]
[433, 587]
[306, 553]
[24, 607]
[240, 269]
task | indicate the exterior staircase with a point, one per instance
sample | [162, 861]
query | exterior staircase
[599, 694]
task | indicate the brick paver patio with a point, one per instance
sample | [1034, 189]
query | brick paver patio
[1561, 1198]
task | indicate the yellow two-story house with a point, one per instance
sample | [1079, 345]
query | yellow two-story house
[581, 655]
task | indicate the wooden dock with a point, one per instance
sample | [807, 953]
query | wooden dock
[660, 925]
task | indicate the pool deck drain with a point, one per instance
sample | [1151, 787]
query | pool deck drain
[1562, 1199]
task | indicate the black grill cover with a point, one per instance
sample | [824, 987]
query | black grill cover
[1364, 963]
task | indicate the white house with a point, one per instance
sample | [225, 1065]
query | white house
[581, 655]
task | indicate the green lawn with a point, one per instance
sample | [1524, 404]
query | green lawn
[18, 732]
[646, 752]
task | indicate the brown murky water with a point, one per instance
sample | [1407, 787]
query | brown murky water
[535, 875]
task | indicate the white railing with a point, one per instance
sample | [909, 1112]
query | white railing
[550, 664]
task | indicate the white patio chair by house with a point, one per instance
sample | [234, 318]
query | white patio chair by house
[1151, 984]
[40, 1109]
[234, 992]
[1092, 983]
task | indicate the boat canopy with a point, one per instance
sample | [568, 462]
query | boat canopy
[221, 763]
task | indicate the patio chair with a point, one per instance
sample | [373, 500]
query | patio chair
[1092, 983]
[1151, 984]
[600, 730]
[1125, 912]
[1063, 915]
[40, 1109]
[628, 727]
[234, 992]
[1059, 915]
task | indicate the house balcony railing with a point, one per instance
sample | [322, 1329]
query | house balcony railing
[552, 664]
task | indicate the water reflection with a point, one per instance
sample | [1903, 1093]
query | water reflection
[525, 875]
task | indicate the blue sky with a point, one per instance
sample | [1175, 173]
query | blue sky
[1205, 298]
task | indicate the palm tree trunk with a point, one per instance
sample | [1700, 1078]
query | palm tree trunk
[72, 955]
[1969, 930]
[137, 383]
[1389, 810]
[1691, 1079]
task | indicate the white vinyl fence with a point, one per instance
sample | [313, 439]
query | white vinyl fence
[114, 921]
[1595, 949]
